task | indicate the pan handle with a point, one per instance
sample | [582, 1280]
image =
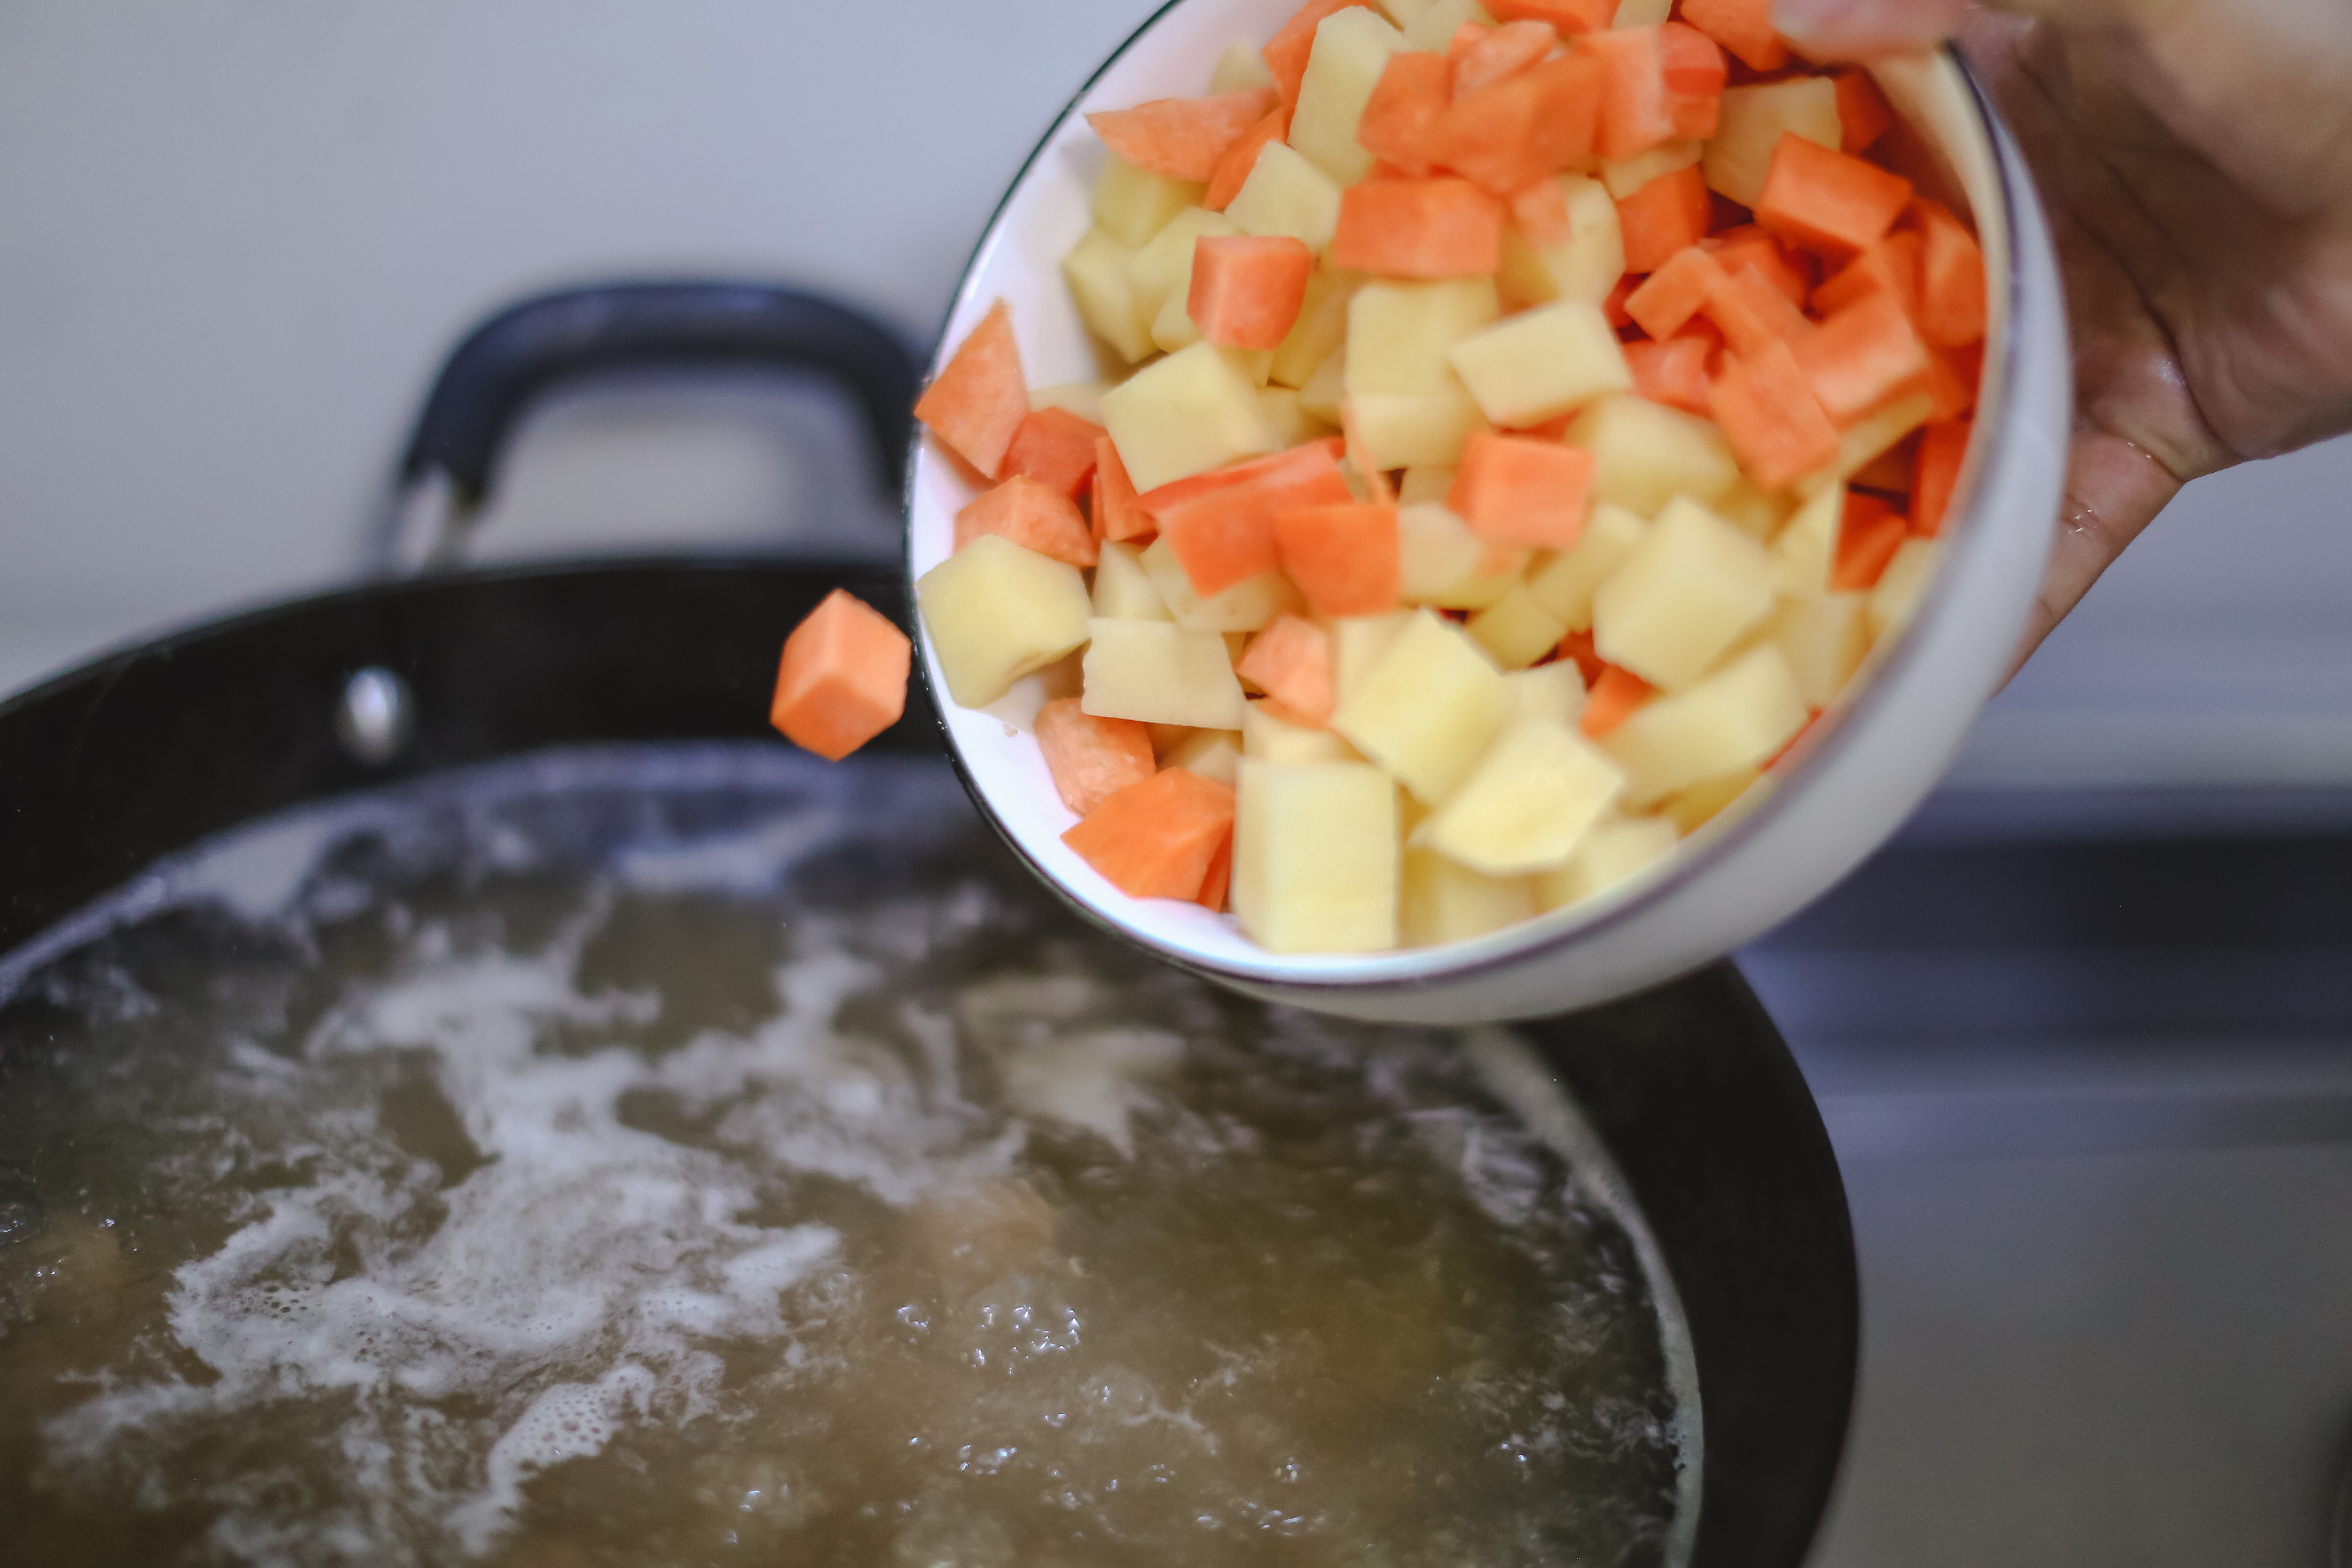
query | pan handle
[529, 348]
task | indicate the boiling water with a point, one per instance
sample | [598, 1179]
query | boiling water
[708, 1157]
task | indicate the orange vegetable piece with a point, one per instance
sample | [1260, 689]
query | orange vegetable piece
[1508, 134]
[1936, 474]
[1891, 267]
[1179, 493]
[1673, 372]
[1541, 213]
[977, 404]
[1346, 559]
[1696, 71]
[1031, 515]
[1827, 200]
[1671, 295]
[1055, 448]
[1182, 138]
[1659, 84]
[1233, 165]
[1092, 758]
[1290, 661]
[1118, 515]
[1577, 647]
[1743, 26]
[1952, 377]
[1416, 228]
[1515, 489]
[1749, 246]
[1218, 884]
[1611, 699]
[1566, 18]
[1286, 55]
[1400, 121]
[1860, 357]
[1951, 279]
[1869, 533]
[1749, 312]
[1155, 838]
[1225, 535]
[1663, 216]
[1246, 288]
[843, 679]
[1613, 306]
[1496, 52]
[1770, 417]
[1864, 115]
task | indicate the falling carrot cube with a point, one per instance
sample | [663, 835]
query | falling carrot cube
[1826, 200]
[977, 404]
[1158, 837]
[1091, 758]
[1417, 229]
[1247, 288]
[1663, 216]
[1290, 661]
[1769, 415]
[1180, 138]
[1057, 449]
[1031, 515]
[1346, 559]
[1512, 489]
[843, 679]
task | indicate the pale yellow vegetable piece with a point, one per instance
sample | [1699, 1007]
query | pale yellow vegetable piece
[1429, 708]
[1517, 630]
[1642, 13]
[1691, 588]
[1212, 754]
[1195, 410]
[1288, 414]
[1806, 549]
[1278, 741]
[1562, 580]
[1325, 393]
[1287, 197]
[1162, 268]
[1615, 851]
[1823, 637]
[1315, 857]
[1245, 607]
[1351, 49]
[1737, 718]
[1756, 513]
[1644, 454]
[1752, 121]
[1156, 673]
[1416, 429]
[1399, 334]
[1403, 11]
[1442, 563]
[1543, 363]
[1240, 69]
[1895, 599]
[1694, 808]
[1869, 438]
[1436, 24]
[1123, 589]
[1131, 204]
[1096, 272]
[1585, 266]
[1358, 644]
[1624, 176]
[1425, 484]
[996, 612]
[1083, 399]
[1321, 326]
[1554, 692]
[1535, 792]
[1445, 902]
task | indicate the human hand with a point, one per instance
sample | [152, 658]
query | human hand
[2195, 157]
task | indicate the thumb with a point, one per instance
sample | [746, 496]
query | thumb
[1854, 29]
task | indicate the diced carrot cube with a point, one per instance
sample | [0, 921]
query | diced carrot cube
[1612, 695]
[977, 404]
[1496, 53]
[1673, 372]
[1118, 515]
[1951, 280]
[1031, 515]
[1233, 165]
[1869, 533]
[1465, 36]
[1890, 471]
[1952, 377]
[1091, 758]
[1346, 558]
[1180, 138]
[1286, 55]
[1216, 886]
[1541, 213]
[1743, 26]
[1891, 266]
[1860, 357]
[1513, 489]
[1695, 72]
[843, 679]
[1936, 474]
[1676, 292]
[1399, 121]
[1225, 535]
[1635, 114]
[1290, 661]
[1510, 133]
[1578, 648]
[1826, 200]
[1417, 229]
[1155, 838]
[1864, 115]
[1613, 306]
[1057, 449]
[1246, 288]
[1308, 458]
[1749, 246]
[1770, 417]
[1750, 312]
[1663, 218]
[1567, 18]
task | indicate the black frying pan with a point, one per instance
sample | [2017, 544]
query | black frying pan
[141, 753]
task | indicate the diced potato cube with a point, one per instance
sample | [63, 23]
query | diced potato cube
[1554, 692]
[1624, 176]
[1321, 326]
[1516, 629]
[1692, 807]
[1399, 334]
[1443, 901]
[1403, 11]
[1425, 484]
[1131, 204]
[1083, 399]
[1283, 412]
[1737, 718]
[1806, 549]
[1868, 439]
[1351, 49]
[996, 612]
[1644, 454]
[1435, 27]
[1279, 741]
[1212, 754]
[1416, 429]
[1156, 673]
[1193, 410]
[1428, 710]
[1244, 607]
[1823, 638]
[1240, 69]
[1614, 851]
[1358, 644]
[1541, 364]
[1756, 513]
[1689, 591]
[1326, 390]
[1442, 563]
[1585, 266]
[1097, 272]
[1315, 857]
[1562, 580]
[1739, 153]
[1162, 268]
[1123, 589]
[1533, 795]
[1288, 197]
[1896, 597]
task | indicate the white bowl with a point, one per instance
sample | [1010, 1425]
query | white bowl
[1850, 784]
